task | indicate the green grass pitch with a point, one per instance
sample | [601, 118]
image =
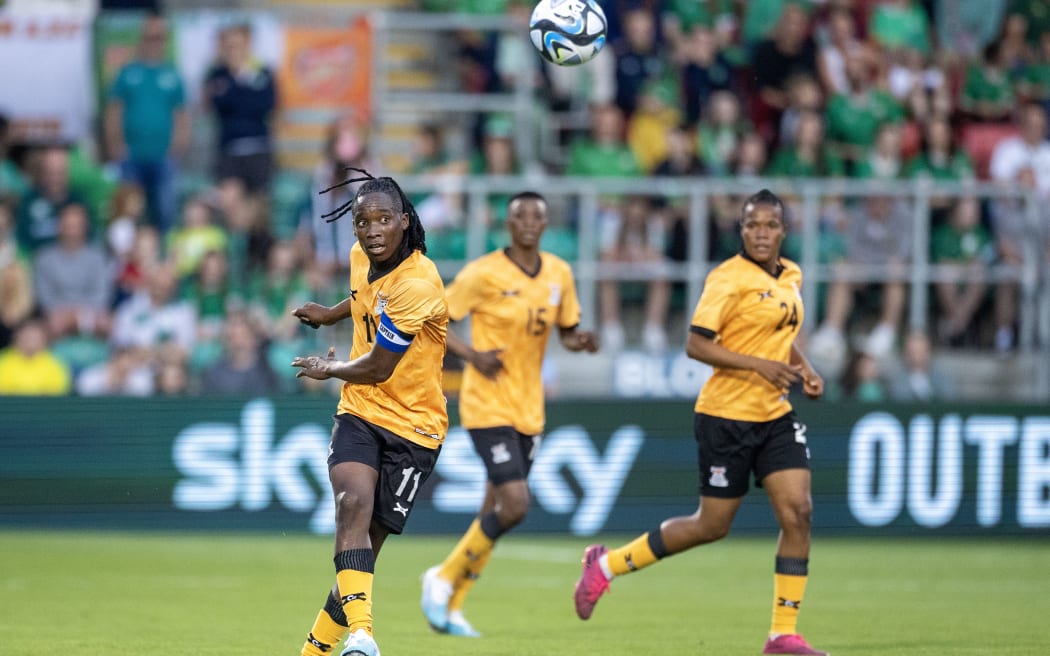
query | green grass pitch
[100, 594]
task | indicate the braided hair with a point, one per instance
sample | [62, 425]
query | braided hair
[415, 235]
[764, 197]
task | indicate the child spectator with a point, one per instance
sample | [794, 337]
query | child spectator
[647, 129]
[862, 379]
[196, 235]
[126, 210]
[29, 368]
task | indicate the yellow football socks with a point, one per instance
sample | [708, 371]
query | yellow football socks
[472, 548]
[634, 555]
[789, 586]
[324, 636]
[464, 584]
[354, 575]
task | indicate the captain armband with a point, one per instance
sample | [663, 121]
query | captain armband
[390, 338]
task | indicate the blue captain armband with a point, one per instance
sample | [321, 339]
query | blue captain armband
[390, 338]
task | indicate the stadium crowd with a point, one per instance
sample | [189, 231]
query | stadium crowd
[111, 282]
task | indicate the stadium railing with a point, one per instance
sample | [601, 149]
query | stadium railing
[583, 194]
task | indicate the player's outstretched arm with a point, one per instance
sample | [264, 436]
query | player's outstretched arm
[376, 366]
[316, 315]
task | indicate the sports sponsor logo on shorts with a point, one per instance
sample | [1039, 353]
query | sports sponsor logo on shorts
[718, 477]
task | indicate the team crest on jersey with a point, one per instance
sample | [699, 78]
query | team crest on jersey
[381, 301]
[766, 294]
[555, 294]
[718, 477]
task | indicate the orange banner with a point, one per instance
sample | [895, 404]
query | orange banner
[328, 68]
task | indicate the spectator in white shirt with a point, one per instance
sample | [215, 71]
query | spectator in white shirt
[1029, 149]
[154, 319]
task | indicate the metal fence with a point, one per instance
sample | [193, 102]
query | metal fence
[583, 194]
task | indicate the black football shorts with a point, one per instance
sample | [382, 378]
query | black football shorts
[508, 454]
[729, 451]
[403, 466]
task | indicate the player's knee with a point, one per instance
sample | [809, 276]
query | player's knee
[513, 510]
[800, 518]
[714, 532]
[704, 530]
[352, 502]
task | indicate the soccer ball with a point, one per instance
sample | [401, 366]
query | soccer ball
[567, 32]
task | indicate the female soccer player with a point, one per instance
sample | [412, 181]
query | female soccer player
[745, 327]
[391, 417]
[515, 297]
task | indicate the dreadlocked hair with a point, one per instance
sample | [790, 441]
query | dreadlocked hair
[415, 235]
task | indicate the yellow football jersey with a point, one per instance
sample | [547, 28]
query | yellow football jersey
[752, 312]
[514, 311]
[405, 310]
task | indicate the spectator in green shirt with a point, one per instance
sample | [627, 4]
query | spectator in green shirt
[720, 131]
[37, 215]
[271, 296]
[809, 156]
[147, 125]
[854, 117]
[987, 95]
[940, 157]
[964, 244]
[885, 160]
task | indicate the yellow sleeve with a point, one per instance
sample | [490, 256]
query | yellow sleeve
[412, 303]
[716, 303]
[463, 293]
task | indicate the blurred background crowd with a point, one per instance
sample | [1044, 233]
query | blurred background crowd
[144, 259]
